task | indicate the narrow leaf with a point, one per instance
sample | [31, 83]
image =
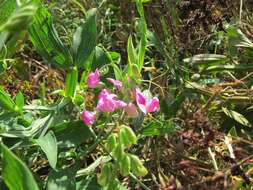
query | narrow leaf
[46, 40]
[71, 82]
[5, 101]
[236, 116]
[20, 100]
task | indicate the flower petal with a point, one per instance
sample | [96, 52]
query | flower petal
[93, 79]
[88, 117]
[152, 105]
[116, 83]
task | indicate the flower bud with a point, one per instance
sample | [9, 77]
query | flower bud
[131, 110]
[88, 117]
[93, 79]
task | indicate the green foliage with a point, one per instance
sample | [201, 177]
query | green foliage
[48, 144]
[6, 102]
[61, 179]
[46, 40]
[84, 41]
[20, 18]
[71, 82]
[15, 173]
[236, 116]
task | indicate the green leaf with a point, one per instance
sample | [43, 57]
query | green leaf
[100, 58]
[72, 133]
[232, 132]
[61, 180]
[136, 166]
[36, 127]
[15, 173]
[48, 144]
[5, 101]
[131, 55]
[205, 58]
[92, 167]
[20, 18]
[127, 136]
[71, 82]
[105, 175]
[84, 40]
[46, 40]
[236, 116]
[125, 165]
[7, 8]
[111, 142]
[143, 33]
[20, 100]
[90, 183]
[117, 72]
[158, 128]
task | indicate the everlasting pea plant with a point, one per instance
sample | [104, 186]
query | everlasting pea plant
[128, 102]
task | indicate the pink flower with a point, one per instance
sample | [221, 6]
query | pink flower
[93, 79]
[120, 104]
[131, 110]
[116, 83]
[146, 105]
[88, 117]
[107, 102]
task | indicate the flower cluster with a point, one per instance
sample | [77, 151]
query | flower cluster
[109, 102]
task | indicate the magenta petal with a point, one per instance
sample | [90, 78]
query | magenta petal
[97, 73]
[88, 117]
[103, 93]
[106, 102]
[93, 79]
[120, 104]
[116, 83]
[153, 105]
[140, 99]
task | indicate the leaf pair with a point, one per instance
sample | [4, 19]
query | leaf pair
[48, 43]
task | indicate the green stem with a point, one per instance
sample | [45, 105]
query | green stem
[138, 181]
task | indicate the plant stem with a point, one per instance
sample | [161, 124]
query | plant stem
[138, 181]
[213, 159]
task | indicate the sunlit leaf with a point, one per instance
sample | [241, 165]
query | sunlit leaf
[205, 58]
[71, 82]
[84, 40]
[48, 144]
[46, 40]
[15, 173]
[236, 116]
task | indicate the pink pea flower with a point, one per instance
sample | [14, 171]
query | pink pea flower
[93, 79]
[146, 105]
[131, 110]
[120, 104]
[116, 83]
[107, 102]
[88, 117]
